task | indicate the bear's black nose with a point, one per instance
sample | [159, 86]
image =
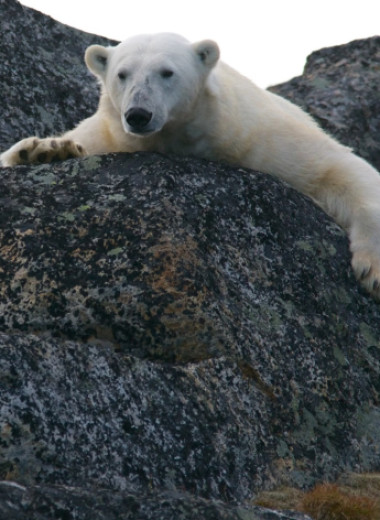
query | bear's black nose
[138, 118]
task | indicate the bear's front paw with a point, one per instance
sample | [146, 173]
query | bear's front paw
[366, 265]
[33, 150]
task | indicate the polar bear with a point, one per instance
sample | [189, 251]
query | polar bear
[161, 93]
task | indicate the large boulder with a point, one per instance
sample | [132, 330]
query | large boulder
[175, 335]
[45, 86]
[340, 89]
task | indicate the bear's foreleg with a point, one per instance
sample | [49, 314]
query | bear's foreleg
[349, 191]
[34, 150]
[365, 248]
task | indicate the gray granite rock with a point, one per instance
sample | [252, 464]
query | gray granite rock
[340, 88]
[178, 324]
[175, 335]
[45, 86]
[63, 502]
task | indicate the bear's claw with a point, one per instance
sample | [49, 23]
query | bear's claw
[366, 265]
[33, 150]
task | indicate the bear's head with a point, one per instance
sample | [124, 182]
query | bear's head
[153, 80]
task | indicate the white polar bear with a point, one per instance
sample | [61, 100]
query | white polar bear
[161, 93]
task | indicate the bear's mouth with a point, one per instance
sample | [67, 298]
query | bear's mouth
[143, 133]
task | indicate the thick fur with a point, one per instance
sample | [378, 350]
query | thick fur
[162, 93]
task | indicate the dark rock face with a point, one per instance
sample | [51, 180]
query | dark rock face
[62, 502]
[175, 335]
[45, 86]
[181, 261]
[340, 88]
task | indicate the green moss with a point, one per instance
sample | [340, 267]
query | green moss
[92, 162]
[116, 251]
[339, 356]
[368, 335]
[67, 215]
[304, 245]
[84, 207]
[320, 83]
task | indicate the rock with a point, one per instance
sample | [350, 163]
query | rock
[45, 87]
[47, 502]
[175, 335]
[340, 88]
[163, 327]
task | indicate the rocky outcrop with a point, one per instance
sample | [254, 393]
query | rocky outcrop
[45, 87]
[340, 89]
[175, 335]
[48, 502]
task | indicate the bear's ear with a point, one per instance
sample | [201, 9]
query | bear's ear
[96, 59]
[208, 52]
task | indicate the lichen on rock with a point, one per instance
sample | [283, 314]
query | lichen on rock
[176, 335]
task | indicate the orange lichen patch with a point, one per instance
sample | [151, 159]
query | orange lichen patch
[83, 254]
[175, 277]
[329, 502]
[11, 253]
[177, 263]
[249, 372]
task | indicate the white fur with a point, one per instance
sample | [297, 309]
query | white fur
[200, 106]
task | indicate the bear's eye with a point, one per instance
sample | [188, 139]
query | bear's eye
[122, 75]
[166, 73]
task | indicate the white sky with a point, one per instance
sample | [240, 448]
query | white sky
[267, 40]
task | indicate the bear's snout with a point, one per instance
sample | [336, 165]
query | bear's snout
[138, 118]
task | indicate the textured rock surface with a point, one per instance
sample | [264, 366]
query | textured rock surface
[156, 262]
[175, 335]
[62, 502]
[45, 86]
[340, 88]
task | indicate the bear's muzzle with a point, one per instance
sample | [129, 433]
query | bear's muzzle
[138, 119]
